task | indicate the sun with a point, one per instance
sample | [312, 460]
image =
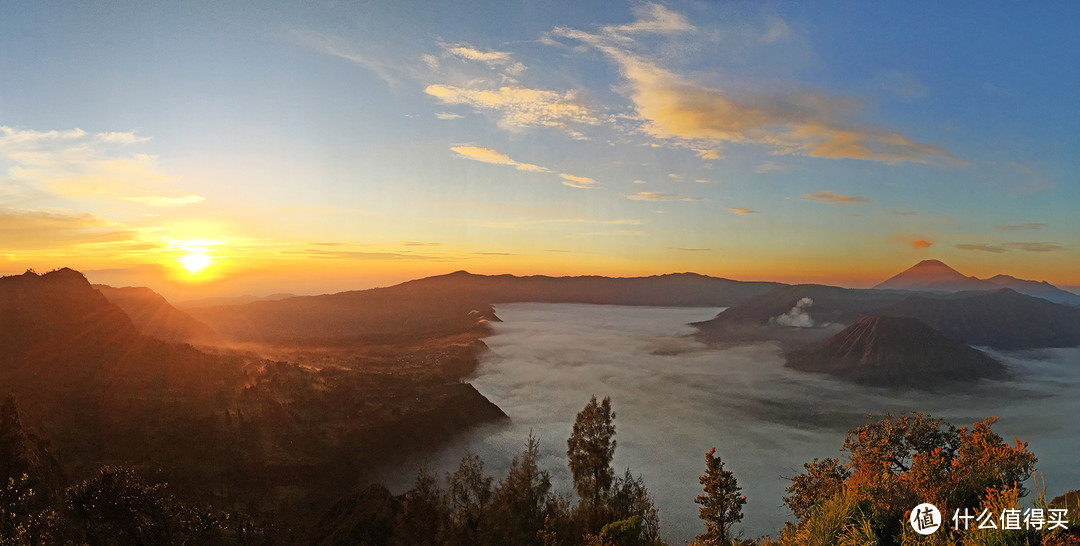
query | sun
[195, 260]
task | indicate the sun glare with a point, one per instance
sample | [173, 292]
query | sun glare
[195, 260]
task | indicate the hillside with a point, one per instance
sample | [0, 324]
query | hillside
[896, 352]
[152, 315]
[452, 303]
[1002, 318]
[224, 422]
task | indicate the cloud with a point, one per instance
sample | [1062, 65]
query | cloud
[164, 201]
[835, 198]
[494, 59]
[701, 117]
[577, 181]
[657, 196]
[742, 211]
[487, 155]
[355, 255]
[709, 153]
[770, 166]
[448, 115]
[921, 243]
[904, 212]
[344, 49]
[1004, 247]
[692, 249]
[431, 61]
[651, 19]
[997, 249]
[1036, 247]
[418, 243]
[43, 229]
[520, 107]
[778, 31]
[74, 164]
[1021, 227]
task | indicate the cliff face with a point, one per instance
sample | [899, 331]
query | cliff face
[897, 352]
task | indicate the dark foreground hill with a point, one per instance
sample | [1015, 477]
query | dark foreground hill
[1002, 319]
[935, 276]
[896, 352]
[451, 303]
[228, 428]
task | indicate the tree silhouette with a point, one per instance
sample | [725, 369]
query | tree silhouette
[721, 502]
[590, 448]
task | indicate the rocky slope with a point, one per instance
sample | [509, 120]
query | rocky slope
[896, 352]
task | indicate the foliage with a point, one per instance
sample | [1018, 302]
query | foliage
[895, 463]
[590, 449]
[468, 493]
[721, 501]
[521, 501]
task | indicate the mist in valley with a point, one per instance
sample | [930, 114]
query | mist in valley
[675, 398]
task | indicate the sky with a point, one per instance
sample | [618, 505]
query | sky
[257, 147]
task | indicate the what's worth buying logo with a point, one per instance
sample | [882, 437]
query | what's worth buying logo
[925, 519]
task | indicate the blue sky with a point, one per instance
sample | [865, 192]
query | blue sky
[829, 142]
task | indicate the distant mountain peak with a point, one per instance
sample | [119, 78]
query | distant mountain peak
[935, 276]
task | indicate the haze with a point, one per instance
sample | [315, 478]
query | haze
[675, 399]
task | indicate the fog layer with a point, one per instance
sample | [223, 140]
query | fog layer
[675, 399]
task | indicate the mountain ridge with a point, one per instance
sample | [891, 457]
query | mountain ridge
[936, 276]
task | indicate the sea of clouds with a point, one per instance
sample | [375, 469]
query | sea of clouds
[675, 398]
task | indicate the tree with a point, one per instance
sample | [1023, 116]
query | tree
[521, 501]
[423, 512]
[898, 462]
[721, 502]
[822, 480]
[469, 492]
[590, 448]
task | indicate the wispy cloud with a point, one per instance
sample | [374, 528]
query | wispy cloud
[771, 166]
[492, 58]
[836, 198]
[703, 117]
[44, 229]
[448, 116]
[921, 243]
[659, 196]
[487, 155]
[1021, 227]
[904, 212]
[345, 49]
[742, 211]
[520, 107]
[166, 201]
[577, 181]
[1005, 247]
[75, 164]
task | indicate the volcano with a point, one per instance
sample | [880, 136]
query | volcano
[896, 352]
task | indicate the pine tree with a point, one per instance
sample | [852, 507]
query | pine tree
[721, 502]
[590, 448]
